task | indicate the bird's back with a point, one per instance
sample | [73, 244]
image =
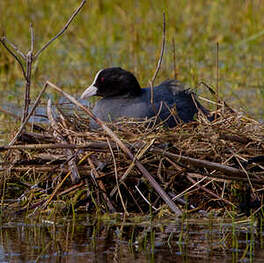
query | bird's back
[169, 98]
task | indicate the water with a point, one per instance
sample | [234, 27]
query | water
[124, 240]
[40, 114]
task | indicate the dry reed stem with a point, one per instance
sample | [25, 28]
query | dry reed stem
[159, 63]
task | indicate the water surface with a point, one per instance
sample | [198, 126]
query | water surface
[130, 240]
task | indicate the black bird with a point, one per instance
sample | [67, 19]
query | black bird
[123, 97]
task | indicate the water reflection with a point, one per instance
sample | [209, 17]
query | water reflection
[2, 255]
[90, 240]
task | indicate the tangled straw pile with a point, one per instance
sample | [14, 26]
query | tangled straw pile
[199, 165]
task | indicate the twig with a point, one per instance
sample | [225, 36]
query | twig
[218, 178]
[202, 163]
[30, 58]
[140, 167]
[145, 199]
[101, 186]
[29, 61]
[249, 180]
[174, 59]
[162, 50]
[40, 168]
[217, 74]
[62, 31]
[56, 190]
[29, 115]
[209, 191]
[72, 188]
[88, 146]
[15, 48]
[32, 38]
[212, 92]
[160, 60]
[140, 153]
[188, 189]
[2, 40]
[116, 177]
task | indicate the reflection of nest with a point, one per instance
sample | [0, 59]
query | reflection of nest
[207, 164]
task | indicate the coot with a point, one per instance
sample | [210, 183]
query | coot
[123, 97]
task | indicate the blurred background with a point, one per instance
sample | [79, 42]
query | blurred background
[129, 34]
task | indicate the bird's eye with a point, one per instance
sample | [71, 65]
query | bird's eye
[102, 79]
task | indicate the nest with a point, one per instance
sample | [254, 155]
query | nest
[194, 166]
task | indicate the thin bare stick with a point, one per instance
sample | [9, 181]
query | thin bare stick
[56, 190]
[159, 62]
[202, 163]
[87, 146]
[217, 73]
[32, 38]
[29, 115]
[116, 177]
[174, 59]
[140, 153]
[242, 167]
[2, 40]
[189, 188]
[15, 48]
[35, 168]
[145, 199]
[62, 31]
[209, 191]
[71, 189]
[162, 50]
[140, 167]
[101, 185]
[29, 61]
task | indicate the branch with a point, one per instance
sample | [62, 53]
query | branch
[94, 146]
[63, 29]
[162, 50]
[2, 40]
[32, 38]
[202, 163]
[174, 58]
[217, 77]
[15, 48]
